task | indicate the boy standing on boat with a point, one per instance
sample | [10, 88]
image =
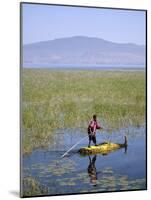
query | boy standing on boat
[93, 126]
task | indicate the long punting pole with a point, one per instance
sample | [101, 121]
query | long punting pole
[73, 147]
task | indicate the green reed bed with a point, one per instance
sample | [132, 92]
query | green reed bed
[66, 98]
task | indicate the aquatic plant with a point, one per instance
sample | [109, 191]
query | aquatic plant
[33, 188]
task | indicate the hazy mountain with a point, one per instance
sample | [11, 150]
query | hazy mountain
[82, 50]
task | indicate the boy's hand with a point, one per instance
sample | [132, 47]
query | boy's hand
[92, 133]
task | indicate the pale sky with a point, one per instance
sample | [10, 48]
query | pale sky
[47, 22]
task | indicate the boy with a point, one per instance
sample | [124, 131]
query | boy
[93, 125]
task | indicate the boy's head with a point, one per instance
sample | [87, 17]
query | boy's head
[94, 117]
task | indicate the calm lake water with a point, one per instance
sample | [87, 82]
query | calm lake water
[85, 66]
[119, 170]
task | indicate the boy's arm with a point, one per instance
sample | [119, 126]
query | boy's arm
[98, 126]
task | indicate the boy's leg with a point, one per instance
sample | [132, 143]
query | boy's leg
[94, 139]
[90, 138]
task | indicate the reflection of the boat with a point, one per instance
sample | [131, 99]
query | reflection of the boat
[92, 171]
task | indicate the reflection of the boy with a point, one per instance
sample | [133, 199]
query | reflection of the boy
[92, 170]
[93, 174]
